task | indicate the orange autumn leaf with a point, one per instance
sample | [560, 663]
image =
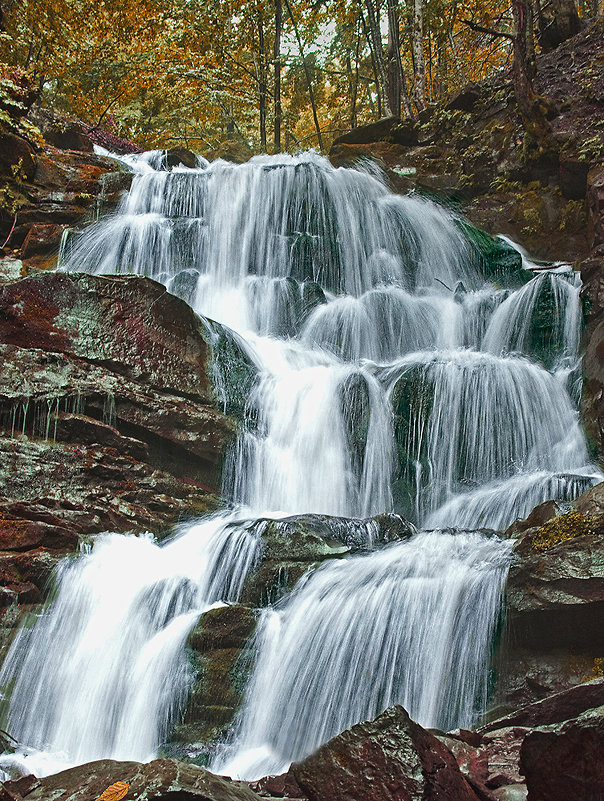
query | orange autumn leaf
[115, 792]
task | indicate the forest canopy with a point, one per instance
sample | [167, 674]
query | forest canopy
[273, 74]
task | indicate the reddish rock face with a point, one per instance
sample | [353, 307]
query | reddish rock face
[107, 417]
[388, 759]
[555, 708]
[132, 325]
[564, 761]
[159, 779]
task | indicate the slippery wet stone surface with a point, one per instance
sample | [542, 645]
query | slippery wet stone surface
[159, 779]
[388, 759]
[108, 419]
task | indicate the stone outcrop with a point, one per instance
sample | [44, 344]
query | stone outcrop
[159, 779]
[554, 603]
[565, 761]
[50, 178]
[388, 759]
[293, 545]
[218, 641]
[472, 149]
[108, 418]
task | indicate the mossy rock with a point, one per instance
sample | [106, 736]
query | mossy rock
[272, 581]
[559, 529]
[232, 368]
[412, 396]
[499, 261]
[222, 628]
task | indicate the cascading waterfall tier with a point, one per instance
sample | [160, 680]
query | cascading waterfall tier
[396, 369]
[410, 624]
[89, 680]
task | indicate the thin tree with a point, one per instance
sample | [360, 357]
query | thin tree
[307, 75]
[398, 96]
[277, 78]
[419, 63]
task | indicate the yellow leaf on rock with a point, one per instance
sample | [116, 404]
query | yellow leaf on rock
[115, 792]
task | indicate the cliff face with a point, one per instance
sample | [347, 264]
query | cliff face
[108, 419]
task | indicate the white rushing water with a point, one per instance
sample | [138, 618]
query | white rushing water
[90, 678]
[395, 370]
[411, 624]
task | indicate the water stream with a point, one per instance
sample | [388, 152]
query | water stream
[397, 369]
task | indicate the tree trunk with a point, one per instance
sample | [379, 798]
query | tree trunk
[397, 90]
[558, 21]
[262, 88]
[307, 74]
[532, 108]
[277, 82]
[419, 64]
[375, 33]
[376, 75]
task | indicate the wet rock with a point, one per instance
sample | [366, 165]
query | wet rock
[108, 419]
[218, 640]
[538, 516]
[592, 401]
[89, 489]
[42, 240]
[471, 760]
[555, 596]
[26, 577]
[156, 780]
[373, 132]
[282, 786]
[17, 156]
[56, 396]
[554, 708]
[472, 149]
[390, 758]
[226, 627]
[595, 203]
[573, 179]
[180, 157]
[291, 546]
[551, 640]
[564, 761]
[130, 323]
[11, 269]
[62, 133]
[501, 751]
[514, 792]
[526, 675]
[591, 503]
[234, 150]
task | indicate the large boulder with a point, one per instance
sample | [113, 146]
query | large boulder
[156, 780]
[388, 759]
[555, 590]
[127, 322]
[552, 639]
[108, 418]
[564, 761]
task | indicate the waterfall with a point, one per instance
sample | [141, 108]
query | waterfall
[411, 624]
[397, 369]
[89, 680]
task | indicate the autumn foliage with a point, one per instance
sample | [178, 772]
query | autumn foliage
[167, 72]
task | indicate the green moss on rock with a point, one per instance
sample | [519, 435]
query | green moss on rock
[559, 529]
